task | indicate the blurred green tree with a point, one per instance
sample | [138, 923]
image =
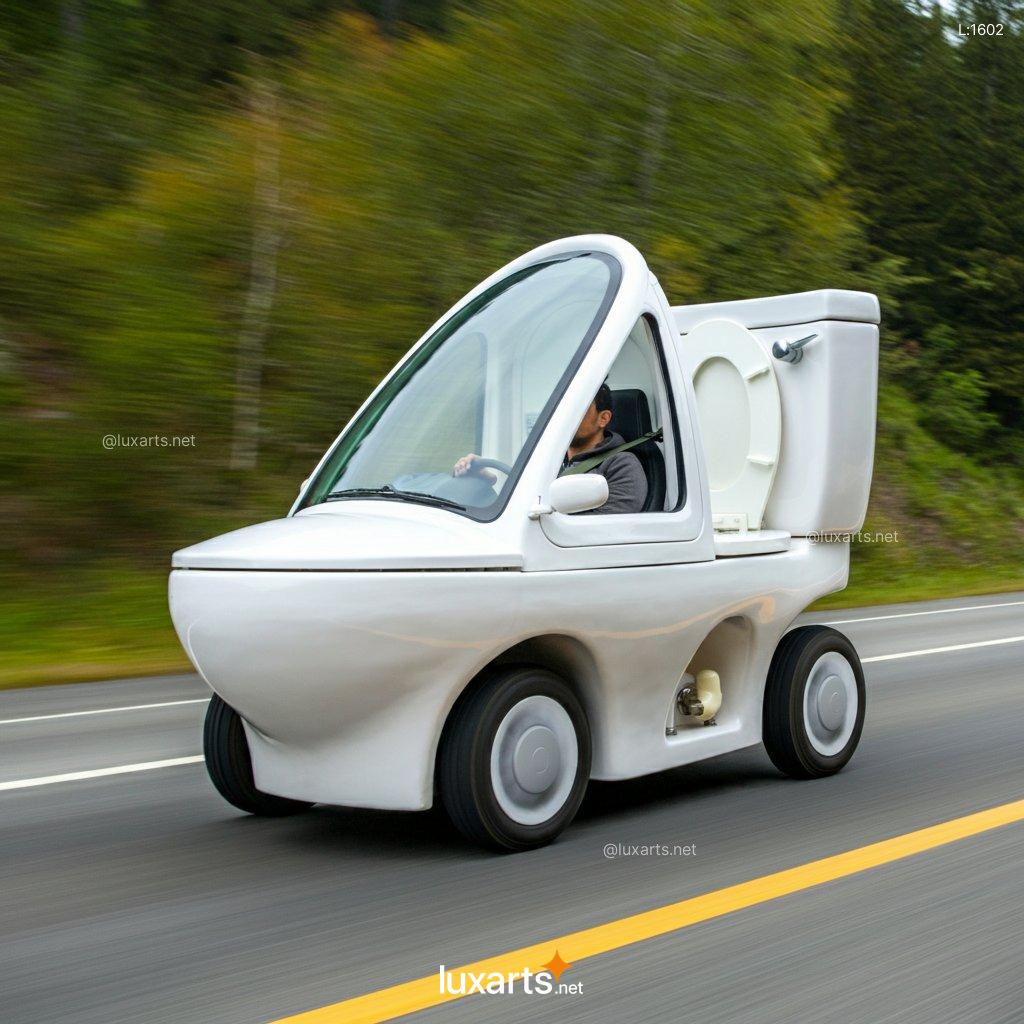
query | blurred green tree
[230, 222]
[933, 139]
[257, 280]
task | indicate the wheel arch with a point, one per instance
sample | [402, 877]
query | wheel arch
[739, 648]
[566, 656]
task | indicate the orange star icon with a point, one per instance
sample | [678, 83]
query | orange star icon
[557, 966]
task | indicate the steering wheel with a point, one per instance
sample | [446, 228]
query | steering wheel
[497, 464]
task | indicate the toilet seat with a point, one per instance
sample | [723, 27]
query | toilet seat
[740, 418]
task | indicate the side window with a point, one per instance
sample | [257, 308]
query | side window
[642, 404]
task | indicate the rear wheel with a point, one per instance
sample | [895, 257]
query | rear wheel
[813, 703]
[515, 760]
[230, 765]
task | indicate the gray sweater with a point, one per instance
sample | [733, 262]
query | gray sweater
[627, 482]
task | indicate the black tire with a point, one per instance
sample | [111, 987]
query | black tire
[464, 772]
[230, 766]
[784, 729]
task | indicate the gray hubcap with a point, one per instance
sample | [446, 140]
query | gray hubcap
[830, 703]
[535, 763]
[533, 760]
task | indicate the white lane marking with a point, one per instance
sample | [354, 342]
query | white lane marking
[145, 766]
[943, 650]
[932, 611]
[831, 622]
[103, 711]
[97, 773]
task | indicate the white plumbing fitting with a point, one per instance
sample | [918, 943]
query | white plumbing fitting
[709, 693]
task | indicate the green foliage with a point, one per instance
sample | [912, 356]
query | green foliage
[101, 621]
[956, 411]
[957, 523]
[933, 138]
[163, 164]
[404, 172]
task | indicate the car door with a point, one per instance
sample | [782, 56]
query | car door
[650, 391]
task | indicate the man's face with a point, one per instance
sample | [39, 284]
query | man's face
[592, 425]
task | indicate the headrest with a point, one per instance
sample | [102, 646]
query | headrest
[631, 416]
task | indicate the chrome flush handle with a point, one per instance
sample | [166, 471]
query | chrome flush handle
[791, 351]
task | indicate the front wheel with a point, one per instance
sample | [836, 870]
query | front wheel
[813, 703]
[515, 760]
[230, 765]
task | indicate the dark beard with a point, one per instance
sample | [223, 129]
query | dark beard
[579, 441]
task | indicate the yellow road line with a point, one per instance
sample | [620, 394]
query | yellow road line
[398, 1000]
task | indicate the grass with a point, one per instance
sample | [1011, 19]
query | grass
[953, 581]
[113, 622]
[97, 623]
[958, 524]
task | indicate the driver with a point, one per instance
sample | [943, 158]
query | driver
[627, 483]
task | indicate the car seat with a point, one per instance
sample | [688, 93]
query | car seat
[631, 418]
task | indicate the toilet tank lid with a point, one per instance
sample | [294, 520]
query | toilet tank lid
[784, 310]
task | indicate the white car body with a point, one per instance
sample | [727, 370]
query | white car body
[344, 633]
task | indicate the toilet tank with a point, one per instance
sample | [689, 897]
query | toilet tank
[828, 399]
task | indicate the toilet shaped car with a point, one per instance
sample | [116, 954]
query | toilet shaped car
[494, 640]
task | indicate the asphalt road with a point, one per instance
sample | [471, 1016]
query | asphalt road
[144, 897]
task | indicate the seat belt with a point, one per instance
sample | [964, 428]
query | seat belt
[595, 460]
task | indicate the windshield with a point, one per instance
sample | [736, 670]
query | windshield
[484, 384]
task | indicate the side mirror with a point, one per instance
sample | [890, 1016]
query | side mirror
[579, 492]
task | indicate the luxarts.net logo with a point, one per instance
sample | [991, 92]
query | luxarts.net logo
[543, 982]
